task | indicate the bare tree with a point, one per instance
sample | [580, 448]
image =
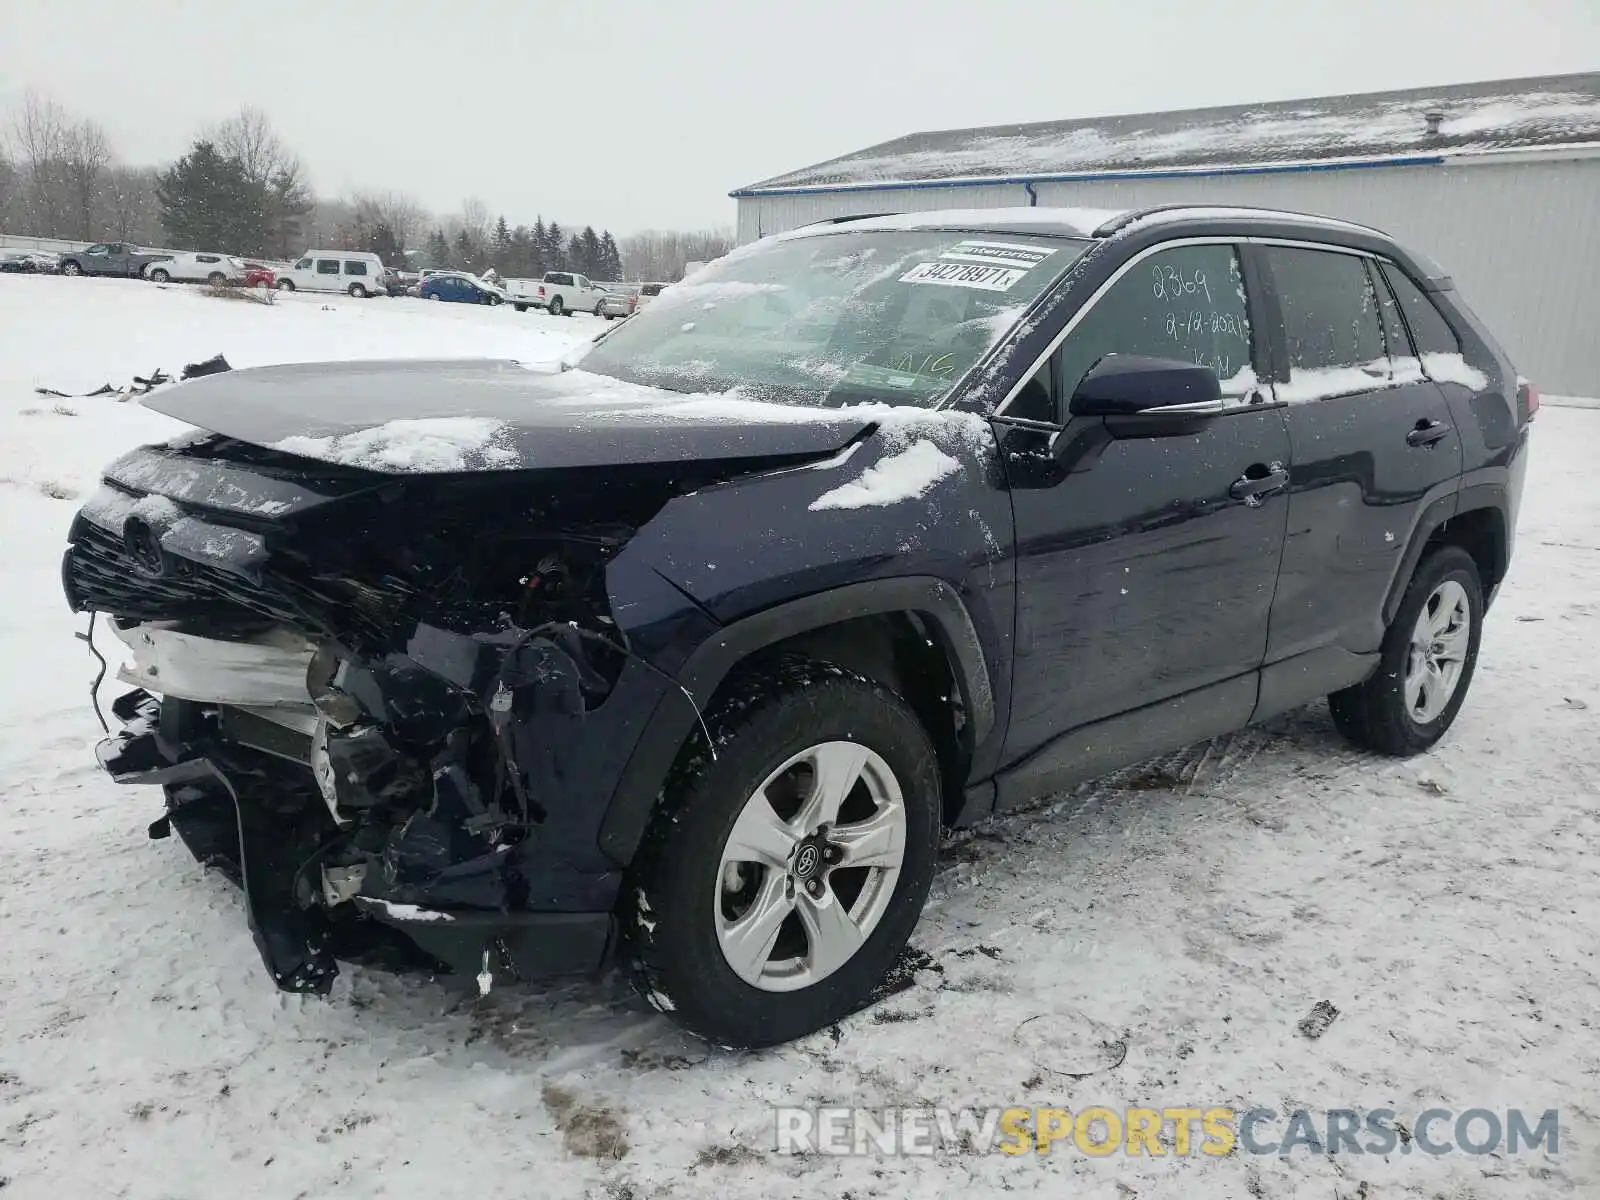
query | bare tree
[129, 208]
[475, 220]
[86, 153]
[662, 254]
[8, 190]
[403, 215]
[249, 137]
[40, 131]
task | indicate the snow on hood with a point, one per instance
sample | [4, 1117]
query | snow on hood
[411, 417]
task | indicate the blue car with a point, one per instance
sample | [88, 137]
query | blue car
[461, 288]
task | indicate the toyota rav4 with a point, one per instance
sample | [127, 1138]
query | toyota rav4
[683, 651]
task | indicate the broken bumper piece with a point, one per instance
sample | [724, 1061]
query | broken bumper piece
[262, 822]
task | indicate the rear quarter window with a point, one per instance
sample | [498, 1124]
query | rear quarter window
[1429, 329]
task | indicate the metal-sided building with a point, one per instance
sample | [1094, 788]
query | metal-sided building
[1500, 182]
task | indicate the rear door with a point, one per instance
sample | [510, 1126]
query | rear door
[1372, 447]
[1145, 565]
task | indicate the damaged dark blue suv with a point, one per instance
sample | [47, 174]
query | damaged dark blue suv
[688, 649]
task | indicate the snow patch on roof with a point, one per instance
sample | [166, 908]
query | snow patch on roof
[421, 445]
[1498, 115]
[907, 475]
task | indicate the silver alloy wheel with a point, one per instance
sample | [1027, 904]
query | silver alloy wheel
[1438, 651]
[810, 867]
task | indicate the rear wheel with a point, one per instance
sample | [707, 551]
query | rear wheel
[782, 878]
[159, 276]
[1427, 661]
[71, 268]
[216, 279]
[556, 307]
[434, 296]
[359, 292]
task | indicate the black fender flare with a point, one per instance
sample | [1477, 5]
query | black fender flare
[674, 719]
[1475, 498]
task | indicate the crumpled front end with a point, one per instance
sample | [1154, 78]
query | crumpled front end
[394, 712]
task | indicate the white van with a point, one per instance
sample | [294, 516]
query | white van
[352, 271]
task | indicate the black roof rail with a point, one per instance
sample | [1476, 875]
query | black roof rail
[855, 217]
[1123, 219]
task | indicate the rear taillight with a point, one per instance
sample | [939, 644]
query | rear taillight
[541, 289]
[1529, 397]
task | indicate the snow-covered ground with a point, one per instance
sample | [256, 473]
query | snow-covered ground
[1193, 910]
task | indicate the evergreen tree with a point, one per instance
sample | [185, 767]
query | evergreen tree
[541, 249]
[589, 254]
[466, 252]
[209, 203]
[288, 203]
[386, 245]
[502, 236]
[574, 259]
[438, 250]
[556, 249]
[519, 259]
[610, 266]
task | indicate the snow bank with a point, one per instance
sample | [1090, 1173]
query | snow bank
[421, 445]
[904, 476]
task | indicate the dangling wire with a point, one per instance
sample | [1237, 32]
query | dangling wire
[94, 688]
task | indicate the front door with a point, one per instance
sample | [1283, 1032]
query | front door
[1372, 444]
[1145, 565]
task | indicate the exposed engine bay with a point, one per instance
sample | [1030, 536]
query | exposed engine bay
[376, 703]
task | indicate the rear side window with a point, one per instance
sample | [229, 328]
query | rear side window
[355, 268]
[207, 258]
[327, 266]
[1186, 303]
[1429, 330]
[1330, 311]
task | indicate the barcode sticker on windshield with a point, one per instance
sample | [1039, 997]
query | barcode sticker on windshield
[999, 254]
[967, 275]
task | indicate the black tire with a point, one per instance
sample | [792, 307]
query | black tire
[434, 296]
[494, 301]
[216, 279]
[159, 276]
[671, 898]
[285, 285]
[71, 267]
[556, 307]
[520, 307]
[357, 291]
[1374, 714]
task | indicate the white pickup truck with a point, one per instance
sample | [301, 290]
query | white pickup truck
[562, 292]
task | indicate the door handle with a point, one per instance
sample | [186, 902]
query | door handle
[1427, 432]
[1258, 482]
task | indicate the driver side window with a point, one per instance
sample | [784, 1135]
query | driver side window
[1186, 303]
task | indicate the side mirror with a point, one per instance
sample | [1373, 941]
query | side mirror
[1123, 384]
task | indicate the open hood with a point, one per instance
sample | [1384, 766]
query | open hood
[435, 417]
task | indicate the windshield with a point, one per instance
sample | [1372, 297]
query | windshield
[837, 318]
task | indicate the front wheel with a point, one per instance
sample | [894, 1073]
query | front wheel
[285, 285]
[781, 879]
[1426, 664]
[494, 301]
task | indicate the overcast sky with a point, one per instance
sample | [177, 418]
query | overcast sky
[644, 113]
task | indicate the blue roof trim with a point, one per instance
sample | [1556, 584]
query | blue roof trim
[1414, 160]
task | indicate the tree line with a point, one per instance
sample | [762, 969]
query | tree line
[239, 189]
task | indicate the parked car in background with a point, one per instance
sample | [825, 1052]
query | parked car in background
[647, 293]
[259, 275]
[400, 283]
[110, 258]
[617, 304]
[461, 289]
[562, 292]
[355, 272]
[197, 267]
[17, 262]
